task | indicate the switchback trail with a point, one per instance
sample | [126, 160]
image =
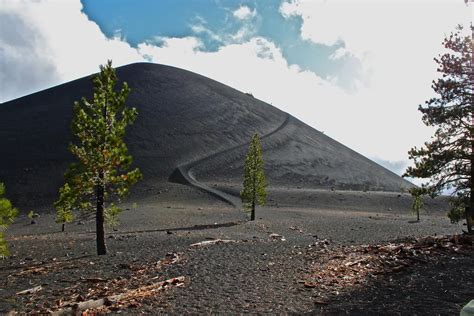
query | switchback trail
[183, 173]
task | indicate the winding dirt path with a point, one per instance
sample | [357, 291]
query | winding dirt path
[183, 173]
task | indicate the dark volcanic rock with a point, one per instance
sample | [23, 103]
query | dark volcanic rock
[183, 118]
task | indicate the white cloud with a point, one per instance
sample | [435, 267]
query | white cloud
[61, 44]
[367, 25]
[178, 49]
[21, 69]
[244, 13]
[201, 29]
[339, 53]
[395, 42]
[245, 31]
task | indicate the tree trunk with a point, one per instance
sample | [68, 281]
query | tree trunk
[99, 216]
[469, 220]
[254, 194]
[417, 215]
[470, 209]
[252, 214]
[99, 220]
[62, 227]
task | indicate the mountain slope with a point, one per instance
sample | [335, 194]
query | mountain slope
[184, 120]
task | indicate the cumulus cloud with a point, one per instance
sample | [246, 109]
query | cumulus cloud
[389, 37]
[24, 62]
[240, 31]
[395, 42]
[244, 13]
[44, 43]
[200, 29]
[369, 25]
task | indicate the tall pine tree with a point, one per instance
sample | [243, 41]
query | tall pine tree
[448, 158]
[254, 190]
[7, 215]
[100, 177]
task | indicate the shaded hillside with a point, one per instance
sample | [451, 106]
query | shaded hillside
[183, 118]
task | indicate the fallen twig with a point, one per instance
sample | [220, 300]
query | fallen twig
[30, 291]
[212, 242]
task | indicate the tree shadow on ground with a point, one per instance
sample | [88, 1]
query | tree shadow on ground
[188, 228]
[434, 288]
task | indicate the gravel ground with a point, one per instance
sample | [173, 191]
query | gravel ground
[255, 274]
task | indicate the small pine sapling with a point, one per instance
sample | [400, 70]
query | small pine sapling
[7, 215]
[254, 184]
[417, 204]
[64, 206]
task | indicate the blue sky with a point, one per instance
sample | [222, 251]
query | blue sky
[144, 20]
[354, 69]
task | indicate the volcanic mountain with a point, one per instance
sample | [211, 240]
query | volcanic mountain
[190, 129]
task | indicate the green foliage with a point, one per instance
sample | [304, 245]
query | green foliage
[101, 174]
[31, 214]
[111, 216]
[254, 192]
[3, 246]
[458, 209]
[417, 194]
[447, 159]
[456, 213]
[7, 215]
[64, 205]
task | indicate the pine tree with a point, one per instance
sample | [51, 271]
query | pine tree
[417, 194]
[100, 177]
[448, 158]
[254, 190]
[65, 205]
[7, 215]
